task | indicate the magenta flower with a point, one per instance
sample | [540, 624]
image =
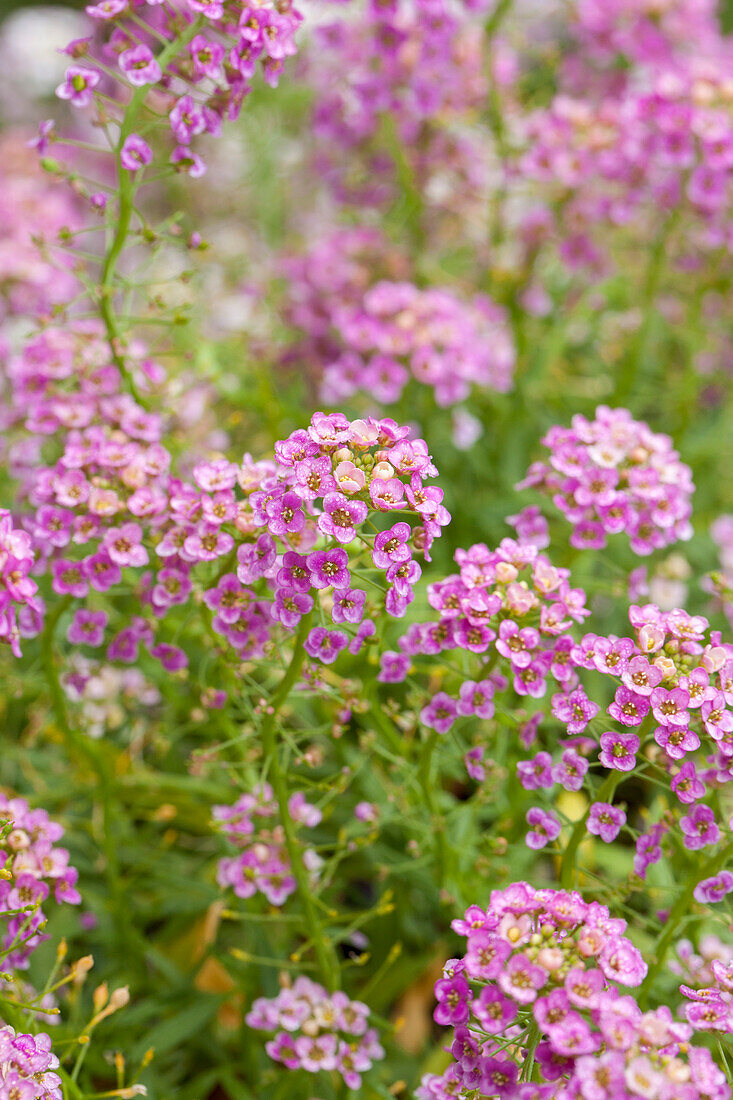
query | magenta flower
[69, 578]
[183, 159]
[124, 545]
[391, 546]
[576, 709]
[186, 120]
[348, 605]
[687, 785]
[605, 821]
[453, 996]
[139, 65]
[207, 57]
[363, 631]
[640, 676]
[628, 708]
[78, 86]
[208, 542]
[536, 773]
[675, 741]
[290, 605]
[101, 572]
[618, 750]
[106, 9]
[135, 153]
[517, 644]
[486, 954]
[717, 720]
[325, 645]
[387, 495]
[712, 890]
[87, 628]
[545, 828]
[476, 698]
[520, 979]
[700, 828]
[473, 761]
[393, 667]
[621, 962]
[294, 572]
[493, 1011]
[341, 517]
[440, 713]
[172, 657]
[570, 771]
[329, 567]
[285, 514]
[670, 707]
[257, 560]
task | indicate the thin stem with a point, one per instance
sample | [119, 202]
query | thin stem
[325, 953]
[567, 864]
[652, 279]
[128, 185]
[424, 773]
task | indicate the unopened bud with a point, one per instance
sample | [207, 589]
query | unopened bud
[81, 968]
[119, 998]
[101, 996]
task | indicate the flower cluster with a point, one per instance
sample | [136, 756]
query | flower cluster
[318, 1031]
[31, 210]
[398, 331]
[192, 62]
[712, 1007]
[672, 675]
[374, 335]
[35, 866]
[612, 475]
[391, 62]
[510, 604]
[644, 33]
[694, 967]
[660, 147]
[536, 987]
[27, 1067]
[105, 694]
[18, 591]
[262, 865]
[318, 496]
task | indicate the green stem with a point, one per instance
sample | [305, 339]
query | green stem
[129, 183]
[424, 774]
[80, 743]
[603, 794]
[678, 912]
[652, 279]
[325, 953]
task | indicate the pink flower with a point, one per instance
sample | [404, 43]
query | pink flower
[341, 517]
[545, 828]
[618, 750]
[78, 86]
[440, 713]
[135, 153]
[605, 821]
[87, 628]
[139, 65]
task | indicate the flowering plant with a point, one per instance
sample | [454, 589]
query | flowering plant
[365, 593]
